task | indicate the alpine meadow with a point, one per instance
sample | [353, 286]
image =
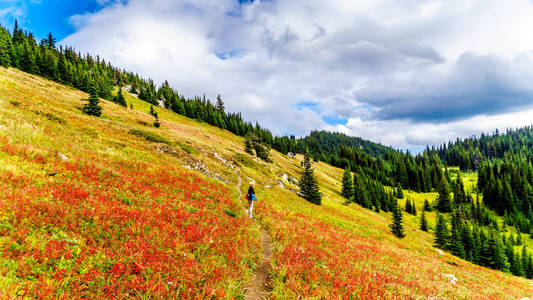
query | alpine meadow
[114, 185]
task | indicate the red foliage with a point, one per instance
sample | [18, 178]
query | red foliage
[120, 230]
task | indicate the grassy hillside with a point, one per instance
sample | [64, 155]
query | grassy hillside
[94, 207]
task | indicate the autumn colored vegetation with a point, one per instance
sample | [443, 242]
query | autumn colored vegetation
[98, 208]
[81, 224]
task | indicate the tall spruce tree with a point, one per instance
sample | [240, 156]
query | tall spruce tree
[120, 98]
[93, 107]
[220, 104]
[347, 184]
[423, 222]
[498, 259]
[427, 207]
[444, 202]
[456, 240]
[309, 189]
[248, 147]
[262, 150]
[397, 222]
[399, 192]
[408, 208]
[5, 48]
[441, 233]
[459, 196]
[50, 41]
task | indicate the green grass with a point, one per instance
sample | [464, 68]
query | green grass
[150, 136]
[187, 148]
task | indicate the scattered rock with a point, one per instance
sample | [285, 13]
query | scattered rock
[198, 165]
[525, 298]
[285, 177]
[267, 186]
[440, 252]
[290, 154]
[63, 156]
[219, 177]
[451, 278]
[167, 149]
[281, 184]
[217, 156]
[294, 180]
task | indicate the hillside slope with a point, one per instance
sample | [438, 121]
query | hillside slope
[103, 207]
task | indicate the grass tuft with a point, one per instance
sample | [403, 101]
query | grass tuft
[150, 136]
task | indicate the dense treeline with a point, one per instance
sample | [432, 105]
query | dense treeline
[463, 236]
[468, 153]
[473, 232]
[507, 188]
[366, 191]
[420, 173]
[505, 172]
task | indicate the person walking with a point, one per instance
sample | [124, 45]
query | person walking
[251, 198]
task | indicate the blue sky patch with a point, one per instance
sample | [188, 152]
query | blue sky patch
[229, 54]
[335, 120]
[42, 17]
[309, 105]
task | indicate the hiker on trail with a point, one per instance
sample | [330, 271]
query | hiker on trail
[251, 198]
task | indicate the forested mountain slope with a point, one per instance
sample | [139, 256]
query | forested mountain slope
[114, 207]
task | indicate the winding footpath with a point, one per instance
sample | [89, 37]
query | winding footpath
[259, 284]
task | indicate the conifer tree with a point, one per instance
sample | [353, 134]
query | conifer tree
[427, 207]
[157, 124]
[423, 222]
[524, 262]
[468, 242]
[261, 150]
[248, 148]
[220, 104]
[459, 190]
[498, 259]
[441, 233]
[93, 107]
[347, 184]
[413, 208]
[309, 189]
[514, 268]
[134, 87]
[397, 222]
[5, 48]
[399, 192]
[519, 241]
[444, 203]
[456, 240]
[120, 98]
[50, 41]
[408, 208]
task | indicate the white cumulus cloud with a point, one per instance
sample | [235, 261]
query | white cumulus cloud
[404, 73]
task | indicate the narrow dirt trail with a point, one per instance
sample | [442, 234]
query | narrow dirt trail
[259, 284]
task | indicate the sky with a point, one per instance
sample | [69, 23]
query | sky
[403, 73]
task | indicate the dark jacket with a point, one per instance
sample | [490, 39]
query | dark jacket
[250, 193]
